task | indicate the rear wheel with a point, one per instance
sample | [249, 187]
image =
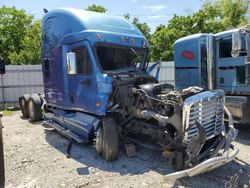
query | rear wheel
[23, 103]
[107, 139]
[34, 108]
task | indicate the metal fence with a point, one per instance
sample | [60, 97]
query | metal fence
[20, 79]
[166, 74]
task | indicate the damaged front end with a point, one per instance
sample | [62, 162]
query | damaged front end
[208, 144]
[186, 126]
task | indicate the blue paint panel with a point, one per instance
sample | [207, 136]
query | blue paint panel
[81, 124]
[229, 78]
[188, 71]
[191, 46]
[80, 94]
[186, 78]
[231, 61]
[104, 88]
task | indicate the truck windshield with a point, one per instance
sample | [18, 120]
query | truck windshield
[117, 58]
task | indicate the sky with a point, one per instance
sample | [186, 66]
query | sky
[153, 12]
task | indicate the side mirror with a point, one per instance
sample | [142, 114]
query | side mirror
[2, 66]
[237, 47]
[71, 63]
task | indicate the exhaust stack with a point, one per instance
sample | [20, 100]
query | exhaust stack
[210, 62]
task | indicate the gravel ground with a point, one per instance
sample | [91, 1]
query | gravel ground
[35, 157]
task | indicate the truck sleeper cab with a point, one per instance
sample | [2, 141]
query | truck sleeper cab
[217, 61]
[97, 90]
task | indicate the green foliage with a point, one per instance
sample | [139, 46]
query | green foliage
[31, 51]
[231, 12]
[20, 39]
[97, 8]
[7, 112]
[215, 16]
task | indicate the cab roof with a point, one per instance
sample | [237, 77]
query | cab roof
[190, 37]
[93, 21]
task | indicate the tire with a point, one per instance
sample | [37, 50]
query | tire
[23, 103]
[34, 108]
[99, 140]
[110, 139]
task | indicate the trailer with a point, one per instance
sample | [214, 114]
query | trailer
[97, 90]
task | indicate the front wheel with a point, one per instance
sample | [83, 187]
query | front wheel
[107, 139]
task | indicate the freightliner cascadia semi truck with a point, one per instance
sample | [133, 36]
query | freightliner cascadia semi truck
[97, 91]
[217, 61]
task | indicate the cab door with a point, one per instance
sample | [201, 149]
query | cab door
[82, 84]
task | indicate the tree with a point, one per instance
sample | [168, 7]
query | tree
[232, 13]
[143, 27]
[13, 29]
[163, 39]
[215, 16]
[31, 46]
[20, 37]
[162, 42]
[97, 8]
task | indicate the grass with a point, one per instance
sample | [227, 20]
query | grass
[7, 112]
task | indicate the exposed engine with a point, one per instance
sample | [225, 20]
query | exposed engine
[158, 113]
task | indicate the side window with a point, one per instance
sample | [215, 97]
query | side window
[82, 60]
[225, 47]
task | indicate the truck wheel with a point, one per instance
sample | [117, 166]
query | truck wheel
[34, 106]
[99, 140]
[110, 145]
[23, 103]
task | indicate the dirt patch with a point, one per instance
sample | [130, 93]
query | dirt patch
[35, 157]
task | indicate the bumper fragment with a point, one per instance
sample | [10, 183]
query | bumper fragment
[228, 155]
[205, 166]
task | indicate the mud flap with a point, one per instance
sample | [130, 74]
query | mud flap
[69, 146]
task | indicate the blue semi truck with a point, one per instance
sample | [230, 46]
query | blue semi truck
[217, 61]
[97, 91]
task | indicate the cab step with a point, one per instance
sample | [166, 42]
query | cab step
[65, 132]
